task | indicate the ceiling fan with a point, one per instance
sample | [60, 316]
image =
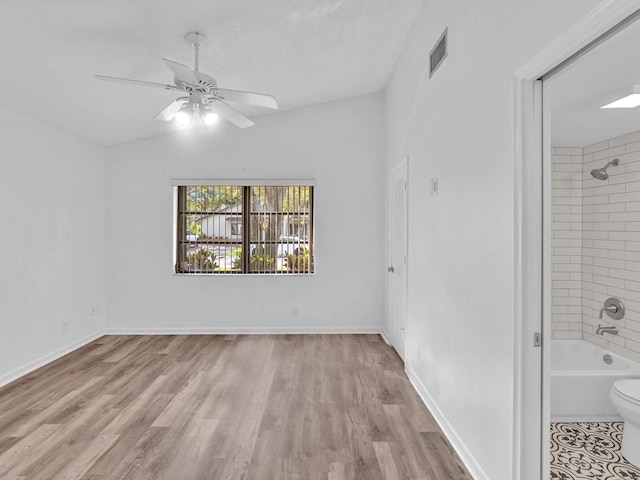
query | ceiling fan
[202, 97]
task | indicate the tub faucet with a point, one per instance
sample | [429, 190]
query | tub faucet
[602, 330]
[608, 308]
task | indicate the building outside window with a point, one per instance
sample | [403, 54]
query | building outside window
[250, 229]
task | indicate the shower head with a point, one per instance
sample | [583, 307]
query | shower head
[601, 173]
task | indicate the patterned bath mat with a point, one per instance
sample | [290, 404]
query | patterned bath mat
[589, 451]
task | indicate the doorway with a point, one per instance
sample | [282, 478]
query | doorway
[397, 269]
[533, 233]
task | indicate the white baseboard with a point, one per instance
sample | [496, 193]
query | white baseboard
[50, 357]
[385, 336]
[456, 442]
[376, 329]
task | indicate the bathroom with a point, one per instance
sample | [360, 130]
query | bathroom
[593, 257]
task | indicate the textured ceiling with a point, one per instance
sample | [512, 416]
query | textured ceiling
[301, 51]
[577, 93]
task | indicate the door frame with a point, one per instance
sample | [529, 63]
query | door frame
[530, 434]
[402, 164]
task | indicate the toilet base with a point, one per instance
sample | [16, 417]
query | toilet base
[631, 444]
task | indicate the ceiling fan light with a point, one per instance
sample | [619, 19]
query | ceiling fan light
[183, 118]
[208, 117]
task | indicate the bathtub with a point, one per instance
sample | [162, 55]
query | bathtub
[581, 380]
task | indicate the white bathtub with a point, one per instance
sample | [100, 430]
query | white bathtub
[581, 380]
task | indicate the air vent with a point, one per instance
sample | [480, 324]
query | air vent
[438, 53]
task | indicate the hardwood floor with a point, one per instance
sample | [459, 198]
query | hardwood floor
[262, 407]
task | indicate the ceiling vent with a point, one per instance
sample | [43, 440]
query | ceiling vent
[438, 53]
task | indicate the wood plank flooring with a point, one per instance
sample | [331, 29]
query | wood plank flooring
[254, 407]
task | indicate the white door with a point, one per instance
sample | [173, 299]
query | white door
[397, 268]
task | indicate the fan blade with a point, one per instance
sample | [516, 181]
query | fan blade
[170, 111]
[182, 72]
[136, 82]
[230, 113]
[250, 98]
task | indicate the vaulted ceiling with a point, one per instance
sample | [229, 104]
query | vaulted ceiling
[301, 51]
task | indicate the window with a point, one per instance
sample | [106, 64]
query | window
[231, 229]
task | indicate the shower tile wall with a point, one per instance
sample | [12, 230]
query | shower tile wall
[606, 250]
[566, 243]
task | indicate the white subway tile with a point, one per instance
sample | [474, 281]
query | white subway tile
[593, 235]
[631, 266]
[563, 208]
[566, 251]
[599, 200]
[625, 294]
[610, 244]
[632, 147]
[594, 252]
[560, 176]
[568, 167]
[565, 301]
[567, 335]
[625, 217]
[570, 217]
[568, 318]
[624, 197]
[624, 274]
[567, 200]
[596, 217]
[609, 153]
[620, 255]
[571, 268]
[633, 166]
[628, 138]
[568, 234]
[609, 263]
[595, 270]
[609, 207]
[629, 236]
[596, 147]
[610, 189]
[609, 226]
[571, 150]
[608, 281]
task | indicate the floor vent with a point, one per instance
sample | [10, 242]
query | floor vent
[438, 53]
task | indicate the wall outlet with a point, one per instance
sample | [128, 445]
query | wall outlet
[65, 327]
[294, 312]
[94, 309]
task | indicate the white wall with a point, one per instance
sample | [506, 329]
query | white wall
[458, 126]
[340, 145]
[52, 242]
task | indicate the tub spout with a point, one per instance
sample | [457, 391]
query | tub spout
[602, 330]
